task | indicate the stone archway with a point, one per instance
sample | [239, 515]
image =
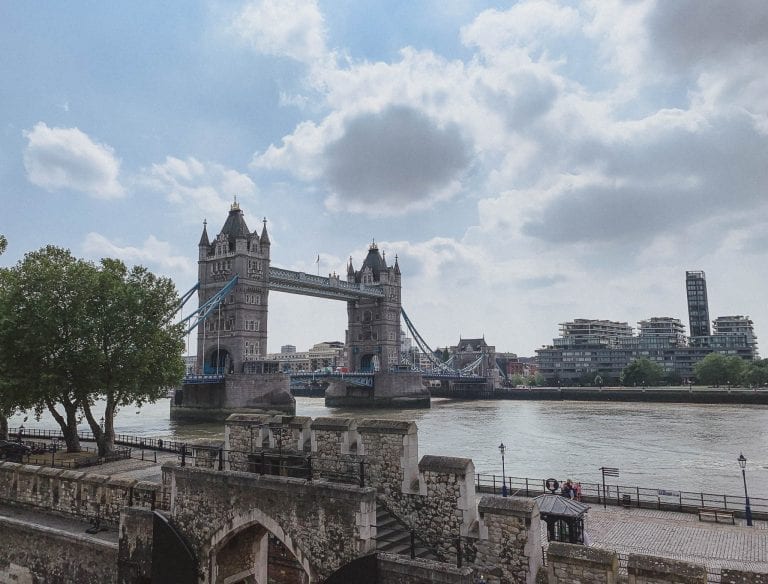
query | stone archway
[239, 551]
[369, 363]
[219, 362]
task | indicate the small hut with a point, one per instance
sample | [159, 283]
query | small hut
[564, 518]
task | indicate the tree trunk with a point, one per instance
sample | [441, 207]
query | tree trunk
[3, 427]
[104, 435]
[68, 425]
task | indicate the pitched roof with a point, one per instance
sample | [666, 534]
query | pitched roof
[235, 226]
[561, 506]
[374, 261]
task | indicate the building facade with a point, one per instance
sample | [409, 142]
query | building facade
[698, 304]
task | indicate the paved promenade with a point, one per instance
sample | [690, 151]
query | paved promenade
[680, 536]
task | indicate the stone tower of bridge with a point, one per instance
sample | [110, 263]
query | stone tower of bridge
[373, 334]
[235, 334]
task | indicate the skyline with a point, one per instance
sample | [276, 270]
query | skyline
[529, 163]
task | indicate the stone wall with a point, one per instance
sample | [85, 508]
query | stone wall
[509, 538]
[134, 558]
[401, 570]
[445, 508]
[653, 570]
[568, 563]
[31, 554]
[74, 493]
[324, 525]
[730, 576]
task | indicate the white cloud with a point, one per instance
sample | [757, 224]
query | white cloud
[152, 252]
[198, 187]
[527, 24]
[284, 28]
[67, 158]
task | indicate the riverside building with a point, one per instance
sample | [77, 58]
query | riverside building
[588, 348]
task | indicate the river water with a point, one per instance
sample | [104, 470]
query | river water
[689, 447]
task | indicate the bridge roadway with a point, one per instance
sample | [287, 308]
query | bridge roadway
[333, 288]
[664, 533]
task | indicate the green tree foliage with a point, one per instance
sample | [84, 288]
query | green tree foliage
[642, 372]
[72, 333]
[716, 369]
[756, 373]
[673, 378]
[3, 243]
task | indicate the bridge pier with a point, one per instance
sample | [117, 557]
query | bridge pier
[214, 398]
[401, 389]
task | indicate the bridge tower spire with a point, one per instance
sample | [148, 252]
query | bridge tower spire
[373, 336]
[236, 332]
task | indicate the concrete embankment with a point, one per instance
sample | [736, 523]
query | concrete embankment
[615, 394]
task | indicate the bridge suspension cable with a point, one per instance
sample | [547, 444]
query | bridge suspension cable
[199, 315]
[423, 346]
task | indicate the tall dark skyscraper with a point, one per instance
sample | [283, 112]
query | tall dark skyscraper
[698, 307]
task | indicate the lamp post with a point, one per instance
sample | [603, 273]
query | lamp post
[747, 509]
[502, 448]
[55, 446]
[21, 432]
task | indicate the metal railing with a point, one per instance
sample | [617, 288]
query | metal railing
[142, 442]
[634, 496]
[47, 454]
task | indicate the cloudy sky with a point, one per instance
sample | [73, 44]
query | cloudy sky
[528, 162]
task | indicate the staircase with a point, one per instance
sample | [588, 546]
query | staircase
[394, 537]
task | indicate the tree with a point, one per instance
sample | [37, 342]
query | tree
[44, 345]
[717, 369]
[139, 350]
[673, 378]
[642, 372]
[7, 406]
[757, 373]
[72, 333]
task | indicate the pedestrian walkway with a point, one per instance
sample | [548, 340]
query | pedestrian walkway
[680, 536]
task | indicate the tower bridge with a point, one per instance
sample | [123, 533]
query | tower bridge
[235, 277]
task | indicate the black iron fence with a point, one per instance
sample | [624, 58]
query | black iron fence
[630, 496]
[49, 454]
[161, 444]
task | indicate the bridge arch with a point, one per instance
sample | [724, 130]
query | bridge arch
[261, 526]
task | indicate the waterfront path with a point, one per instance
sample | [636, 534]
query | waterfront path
[680, 536]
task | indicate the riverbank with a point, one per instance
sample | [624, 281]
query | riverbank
[679, 395]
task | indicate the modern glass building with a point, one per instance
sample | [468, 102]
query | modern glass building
[698, 305]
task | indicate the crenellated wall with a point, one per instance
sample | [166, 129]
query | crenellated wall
[88, 496]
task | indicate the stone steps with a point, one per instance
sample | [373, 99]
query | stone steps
[394, 537]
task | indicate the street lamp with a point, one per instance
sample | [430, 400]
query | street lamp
[502, 448]
[55, 446]
[747, 509]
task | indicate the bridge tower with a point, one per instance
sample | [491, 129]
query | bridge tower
[234, 337]
[373, 334]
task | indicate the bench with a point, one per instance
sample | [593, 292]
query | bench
[714, 514]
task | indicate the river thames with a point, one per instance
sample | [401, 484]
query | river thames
[687, 447]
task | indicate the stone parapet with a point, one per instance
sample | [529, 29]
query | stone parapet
[395, 569]
[509, 537]
[655, 570]
[568, 563]
[37, 553]
[730, 576]
[74, 493]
